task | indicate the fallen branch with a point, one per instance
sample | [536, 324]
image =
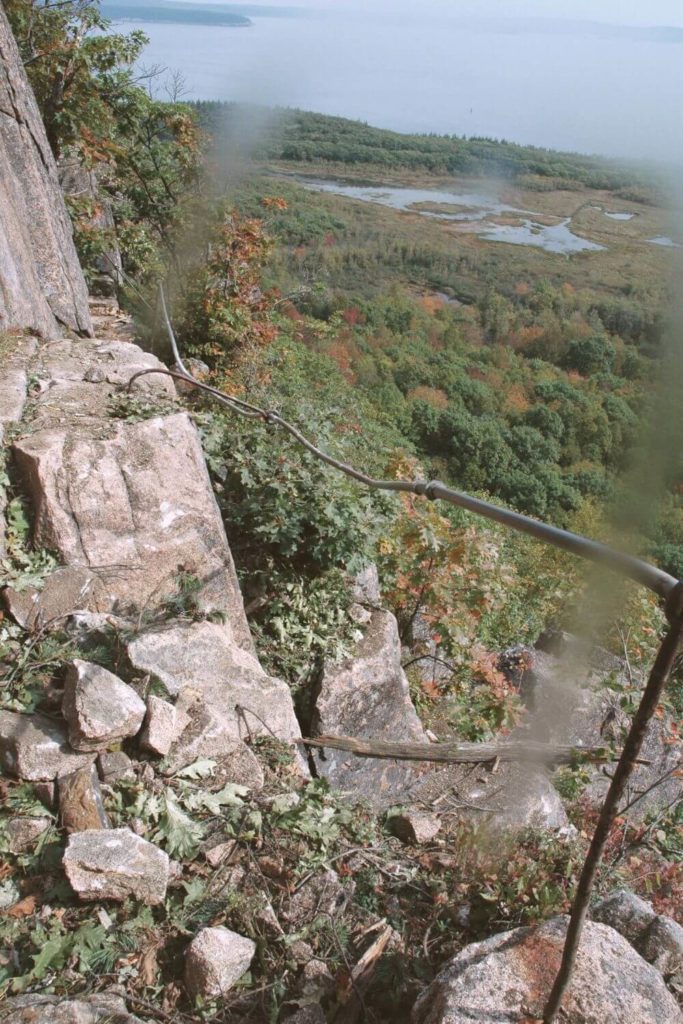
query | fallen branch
[351, 1006]
[528, 752]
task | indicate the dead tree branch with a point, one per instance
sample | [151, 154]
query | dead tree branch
[528, 752]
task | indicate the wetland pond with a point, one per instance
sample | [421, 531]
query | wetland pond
[472, 210]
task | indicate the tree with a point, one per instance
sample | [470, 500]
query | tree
[590, 355]
[80, 73]
[145, 153]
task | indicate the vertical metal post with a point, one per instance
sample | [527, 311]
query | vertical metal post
[661, 670]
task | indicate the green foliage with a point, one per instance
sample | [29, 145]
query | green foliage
[306, 137]
[144, 152]
[590, 355]
[78, 71]
[304, 624]
[467, 589]
[535, 882]
[225, 317]
[22, 567]
[177, 817]
[321, 818]
[28, 663]
[281, 504]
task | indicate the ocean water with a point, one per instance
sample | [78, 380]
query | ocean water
[619, 96]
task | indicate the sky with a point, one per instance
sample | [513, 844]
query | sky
[624, 12]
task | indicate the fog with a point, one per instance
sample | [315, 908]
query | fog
[485, 68]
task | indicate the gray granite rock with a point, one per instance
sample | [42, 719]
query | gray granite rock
[512, 798]
[508, 978]
[41, 282]
[367, 697]
[115, 864]
[99, 708]
[115, 765]
[131, 503]
[35, 748]
[568, 692]
[222, 687]
[366, 589]
[164, 724]
[24, 833]
[415, 827]
[101, 1008]
[627, 913]
[662, 946]
[216, 959]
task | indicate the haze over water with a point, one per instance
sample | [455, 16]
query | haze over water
[567, 87]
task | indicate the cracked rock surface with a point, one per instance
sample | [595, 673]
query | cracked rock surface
[508, 977]
[216, 959]
[115, 864]
[99, 708]
[42, 287]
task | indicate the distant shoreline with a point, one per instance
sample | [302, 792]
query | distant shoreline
[168, 16]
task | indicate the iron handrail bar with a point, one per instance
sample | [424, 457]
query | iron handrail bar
[655, 579]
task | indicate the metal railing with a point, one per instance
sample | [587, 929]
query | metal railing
[665, 586]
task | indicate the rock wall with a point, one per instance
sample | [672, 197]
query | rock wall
[42, 288]
[121, 495]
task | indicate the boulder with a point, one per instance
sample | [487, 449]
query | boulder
[35, 748]
[510, 799]
[216, 959]
[662, 946]
[509, 977]
[164, 724]
[63, 590]
[99, 708]
[569, 695]
[44, 1009]
[24, 833]
[115, 864]
[210, 735]
[101, 1008]
[80, 801]
[222, 687]
[131, 503]
[367, 697]
[366, 589]
[415, 827]
[626, 913]
[42, 287]
[82, 381]
[113, 766]
[657, 938]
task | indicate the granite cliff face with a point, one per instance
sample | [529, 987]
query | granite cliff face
[42, 288]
